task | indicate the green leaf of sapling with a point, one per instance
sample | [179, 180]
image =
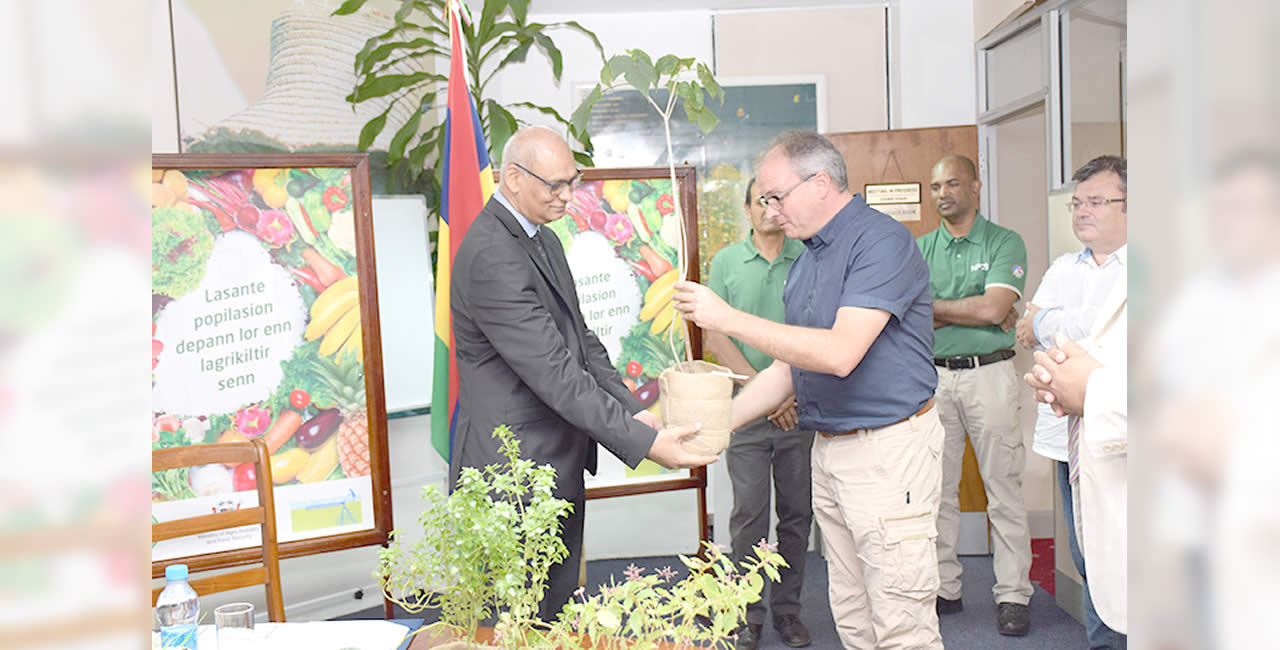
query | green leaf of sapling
[667, 65]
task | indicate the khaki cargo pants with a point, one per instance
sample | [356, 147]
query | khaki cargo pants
[984, 402]
[875, 496]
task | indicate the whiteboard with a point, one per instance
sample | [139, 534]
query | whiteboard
[406, 300]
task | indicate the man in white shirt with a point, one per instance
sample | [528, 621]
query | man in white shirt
[1067, 303]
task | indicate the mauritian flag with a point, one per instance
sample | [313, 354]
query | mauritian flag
[468, 183]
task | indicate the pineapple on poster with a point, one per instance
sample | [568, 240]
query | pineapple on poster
[256, 333]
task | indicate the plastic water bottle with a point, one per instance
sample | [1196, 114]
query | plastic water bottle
[177, 610]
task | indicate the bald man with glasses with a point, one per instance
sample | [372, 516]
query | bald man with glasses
[977, 271]
[525, 356]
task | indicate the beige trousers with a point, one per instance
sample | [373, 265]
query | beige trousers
[984, 402]
[875, 496]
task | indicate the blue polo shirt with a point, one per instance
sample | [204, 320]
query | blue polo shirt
[863, 258]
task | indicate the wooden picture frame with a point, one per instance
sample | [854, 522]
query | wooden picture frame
[280, 237]
[645, 203]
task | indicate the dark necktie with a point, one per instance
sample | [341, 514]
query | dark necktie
[542, 248]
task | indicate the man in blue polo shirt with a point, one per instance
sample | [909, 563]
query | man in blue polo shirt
[977, 271]
[856, 350]
[750, 275]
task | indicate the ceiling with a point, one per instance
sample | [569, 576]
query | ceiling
[632, 6]
[1113, 11]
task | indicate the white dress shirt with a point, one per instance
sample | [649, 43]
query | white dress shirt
[1069, 297]
[530, 228]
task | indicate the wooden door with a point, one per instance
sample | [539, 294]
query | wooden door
[908, 156]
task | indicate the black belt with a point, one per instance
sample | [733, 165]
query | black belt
[965, 363]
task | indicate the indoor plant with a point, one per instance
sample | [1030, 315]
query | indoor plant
[486, 550]
[661, 84]
[692, 391]
[648, 610]
[503, 35]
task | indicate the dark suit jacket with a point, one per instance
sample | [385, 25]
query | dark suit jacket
[527, 359]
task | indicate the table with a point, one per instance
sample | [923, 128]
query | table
[324, 635]
[432, 639]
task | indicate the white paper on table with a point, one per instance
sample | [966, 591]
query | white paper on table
[319, 635]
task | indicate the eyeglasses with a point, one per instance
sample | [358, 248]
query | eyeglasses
[1076, 204]
[775, 201]
[557, 186]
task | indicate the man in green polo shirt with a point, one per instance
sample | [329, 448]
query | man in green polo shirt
[749, 275]
[977, 270]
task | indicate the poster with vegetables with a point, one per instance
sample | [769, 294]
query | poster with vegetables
[620, 237]
[261, 328]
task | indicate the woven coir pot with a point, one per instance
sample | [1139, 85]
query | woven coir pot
[697, 391]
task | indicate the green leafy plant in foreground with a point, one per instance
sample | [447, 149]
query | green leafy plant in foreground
[487, 548]
[648, 609]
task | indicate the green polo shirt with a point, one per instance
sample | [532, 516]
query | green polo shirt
[959, 267]
[750, 283]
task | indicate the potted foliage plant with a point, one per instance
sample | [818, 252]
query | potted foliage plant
[692, 391]
[486, 549]
[654, 610]
[661, 84]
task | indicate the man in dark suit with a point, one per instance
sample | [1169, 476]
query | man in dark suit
[525, 355]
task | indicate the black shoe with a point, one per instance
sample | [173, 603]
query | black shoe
[748, 637]
[1015, 619]
[948, 606]
[793, 632]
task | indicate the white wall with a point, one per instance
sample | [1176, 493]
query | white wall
[932, 63]
[1022, 186]
[164, 107]
[932, 71]
[1093, 85]
[686, 34]
[989, 13]
[845, 45]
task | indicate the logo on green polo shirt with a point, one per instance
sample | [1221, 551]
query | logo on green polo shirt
[1018, 271]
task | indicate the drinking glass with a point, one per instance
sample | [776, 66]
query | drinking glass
[235, 625]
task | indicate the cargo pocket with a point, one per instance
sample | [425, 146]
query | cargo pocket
[911, 554]
[1009, 456]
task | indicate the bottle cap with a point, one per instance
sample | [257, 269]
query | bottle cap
[175, 572]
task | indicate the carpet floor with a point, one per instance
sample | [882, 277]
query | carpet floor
[974, 628]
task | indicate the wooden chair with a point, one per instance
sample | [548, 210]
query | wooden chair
[268, 574]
